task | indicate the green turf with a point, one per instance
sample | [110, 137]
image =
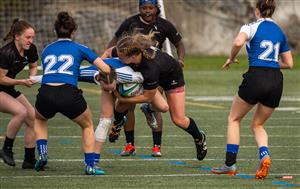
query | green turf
[178, 167]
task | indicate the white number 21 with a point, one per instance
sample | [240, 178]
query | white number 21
[51, 61]
[270, 47]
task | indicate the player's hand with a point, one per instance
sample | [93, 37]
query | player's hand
[28, 82]
[108, 86]
[119, 96]
[228, 62]
[181, 63]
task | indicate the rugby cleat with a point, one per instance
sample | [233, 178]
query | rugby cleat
[129, 149]
[8, 157]
[149, 114]
[40, 163]
[93, 170]
[201, 147]
[29, 164]
[264, 166]
[116, 129]
[224, 169]
[156, 151]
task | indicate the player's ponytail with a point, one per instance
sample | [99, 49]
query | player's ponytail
[138, 43]
[266, 8]
[64, 25]
[17, 28]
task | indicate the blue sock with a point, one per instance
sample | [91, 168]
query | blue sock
[42, 148]
[89, 159]
[263, 151]
[97, 158]
[233, 148]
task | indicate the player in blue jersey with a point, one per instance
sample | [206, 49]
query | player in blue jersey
[59, 93]
[14, 56]
[124, 74]
[262, 84]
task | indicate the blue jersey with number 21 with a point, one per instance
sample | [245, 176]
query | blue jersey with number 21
[265, 43]
[61, 61]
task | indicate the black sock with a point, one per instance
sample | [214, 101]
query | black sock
[29, 154]
[194, 131]
[230, 158]
[156, 135]
[8, 144]
[119, 116]
[129, 137]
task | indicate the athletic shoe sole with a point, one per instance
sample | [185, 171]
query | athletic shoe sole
[262, 172]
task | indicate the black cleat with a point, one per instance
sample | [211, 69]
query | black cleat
[28, 164]
[8, 157]
[201, 147]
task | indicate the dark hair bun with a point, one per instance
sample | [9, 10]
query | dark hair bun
[63, 17]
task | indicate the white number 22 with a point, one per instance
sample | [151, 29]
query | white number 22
[51, 60]
[270, 47]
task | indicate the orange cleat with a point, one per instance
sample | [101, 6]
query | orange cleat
[129, 149]
[262, 172]
[156, 151]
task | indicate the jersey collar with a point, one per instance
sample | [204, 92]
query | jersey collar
[64, 39]
[265, 19]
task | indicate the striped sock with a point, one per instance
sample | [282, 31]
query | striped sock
[263, 151]
[97, 157]
[42, 148]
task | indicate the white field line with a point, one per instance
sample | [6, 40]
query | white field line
[166, 147]
[156, 159]
[229, 98]
[201, 117]
[178, 136]
[131, 176]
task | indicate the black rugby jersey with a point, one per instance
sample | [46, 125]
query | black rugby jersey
[11, 60]
[165, 29]
[161, 70]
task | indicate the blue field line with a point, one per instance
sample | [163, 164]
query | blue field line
[206, 168]
[284, 184]
[20, 133]
[145, 157]
[114, 151]
[178, 163]
[65, 141]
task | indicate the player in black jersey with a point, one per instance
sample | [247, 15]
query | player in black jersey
[147, 21]
[14, 56]
[158, 69]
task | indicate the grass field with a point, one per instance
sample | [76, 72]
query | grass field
[209, 93]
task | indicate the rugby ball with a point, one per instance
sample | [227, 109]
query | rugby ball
[130, 89]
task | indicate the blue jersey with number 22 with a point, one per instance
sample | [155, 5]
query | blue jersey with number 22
[265, 43]
[61, 61]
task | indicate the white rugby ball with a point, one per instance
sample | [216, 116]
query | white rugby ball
[130, 89]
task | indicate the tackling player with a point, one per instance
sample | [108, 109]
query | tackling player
[158, 69]
[147, 21]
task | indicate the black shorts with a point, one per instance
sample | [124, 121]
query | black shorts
[173, 81]
[66, 99]
[263, 85]
[11, 91]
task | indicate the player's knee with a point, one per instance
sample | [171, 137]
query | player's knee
[232, 119]
[102, 129]
[178, 121]
[21, 113]
[30, 114]
[164, 108]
